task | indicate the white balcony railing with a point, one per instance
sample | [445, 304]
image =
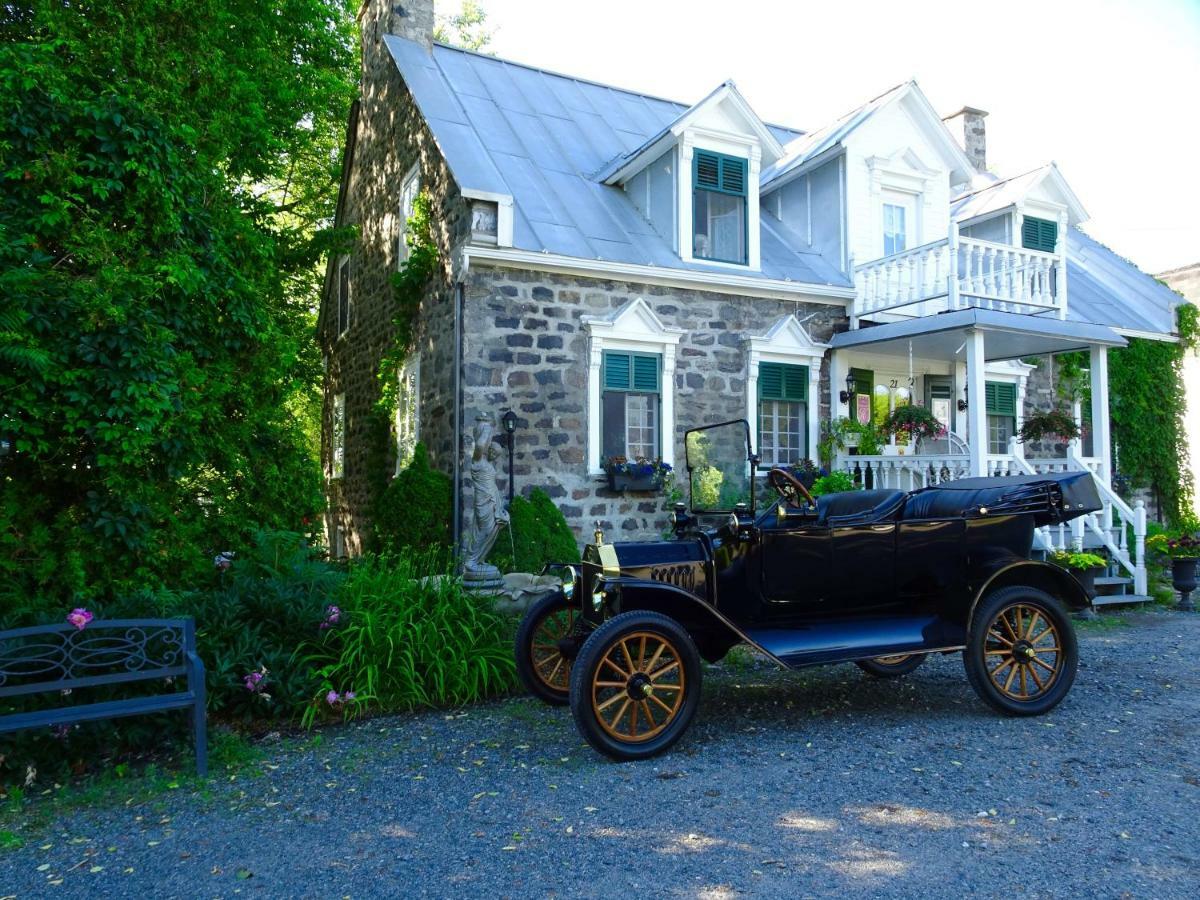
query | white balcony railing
[959, 273]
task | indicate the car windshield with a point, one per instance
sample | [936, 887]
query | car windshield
[718, 466]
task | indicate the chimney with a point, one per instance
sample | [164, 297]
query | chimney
[412, 20]
[968, 129]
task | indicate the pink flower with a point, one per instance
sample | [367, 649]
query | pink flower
[333, 615]
[333, 698]
[80, 618]
[256, 682]
[348, 696]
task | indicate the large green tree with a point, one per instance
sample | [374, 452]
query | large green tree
[167, 170]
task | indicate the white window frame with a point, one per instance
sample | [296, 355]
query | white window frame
[730, 145]
[633, 327]
[910, 203]
[342, 331]
[410, 187]
[408, 431]
[337, 439]
[788, 342]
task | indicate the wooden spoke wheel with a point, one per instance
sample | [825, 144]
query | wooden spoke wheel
[635, 685]
[891, 666]
[1022, 654]
[546, 644]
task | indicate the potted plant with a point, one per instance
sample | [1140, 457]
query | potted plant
[806, 472]
[1084, 566]
[913, 423]
[635, 475]
[833, 483]
[1054, 425]
[1182, 547]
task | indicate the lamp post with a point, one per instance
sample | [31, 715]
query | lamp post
[509, 421]
[851, 383]
[963, 403]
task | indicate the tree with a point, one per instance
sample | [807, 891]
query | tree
[168, 167]
[467, 28]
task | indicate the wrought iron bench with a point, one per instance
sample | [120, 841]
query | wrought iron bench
[56, 658]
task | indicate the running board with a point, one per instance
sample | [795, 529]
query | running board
[814, 643]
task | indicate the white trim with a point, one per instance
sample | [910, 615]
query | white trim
[632, 327]
[410, 370]
[1146, 335]
[787, 341]
[337, 438]
[720, 282]
[504, 213]
[411, 177]
[343, 260]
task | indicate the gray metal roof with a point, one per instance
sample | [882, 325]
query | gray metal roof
[1105, 288]
[542, 138]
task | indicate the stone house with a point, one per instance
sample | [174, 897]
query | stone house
[615, 268]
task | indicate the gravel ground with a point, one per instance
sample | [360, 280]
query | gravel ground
[817, 783]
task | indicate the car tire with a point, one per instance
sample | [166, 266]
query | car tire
[891, 666]
[1021, 653]
[542, 666]
[644, 664]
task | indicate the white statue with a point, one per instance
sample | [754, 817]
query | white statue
[488, 513]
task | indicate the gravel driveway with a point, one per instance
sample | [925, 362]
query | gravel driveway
[817, 783]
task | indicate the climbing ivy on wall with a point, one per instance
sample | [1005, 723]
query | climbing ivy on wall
[1147, 402]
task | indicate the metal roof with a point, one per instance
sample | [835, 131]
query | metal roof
[1108, 289]
[541, 138]
[1002, 193]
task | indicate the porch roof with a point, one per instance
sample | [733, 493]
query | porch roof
[1007, 335]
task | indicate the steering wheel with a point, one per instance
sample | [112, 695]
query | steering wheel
[789, 487]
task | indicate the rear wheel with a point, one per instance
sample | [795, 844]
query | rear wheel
[635, 685]
[891, 666]
[1021, 652]
[545, 647]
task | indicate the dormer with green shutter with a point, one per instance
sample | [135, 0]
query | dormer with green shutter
[719, 209]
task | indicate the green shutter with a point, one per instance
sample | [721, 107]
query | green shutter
[779, 381]
[645, 373]
[1000, 399]
[631, 372]
[718, 172]
[1039, 234]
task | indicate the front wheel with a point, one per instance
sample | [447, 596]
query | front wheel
[891, 666]
[545, 644]
[635, 685]
[1021, 653]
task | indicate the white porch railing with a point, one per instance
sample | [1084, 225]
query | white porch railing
[1112, 526]
[958, 273]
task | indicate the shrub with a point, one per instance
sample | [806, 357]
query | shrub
[1080, 561]
[415, 511]
[409, 635]
[537, 534]
[833, 483]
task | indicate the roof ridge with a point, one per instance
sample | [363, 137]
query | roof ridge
[601, 84]
[999, 182]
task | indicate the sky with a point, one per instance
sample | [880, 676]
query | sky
[1108, 89]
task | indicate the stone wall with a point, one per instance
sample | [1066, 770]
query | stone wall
[389, 138]
[525, 348]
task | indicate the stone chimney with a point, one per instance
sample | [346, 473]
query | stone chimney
[968, 129]
[409, 19]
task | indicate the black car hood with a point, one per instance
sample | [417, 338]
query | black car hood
[634, 554]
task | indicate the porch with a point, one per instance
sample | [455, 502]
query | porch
[951, 362]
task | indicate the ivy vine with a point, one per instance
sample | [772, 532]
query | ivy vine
[1147, 403]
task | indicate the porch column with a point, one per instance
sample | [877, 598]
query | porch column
[976, 403]
[1015, 447]
[1101, 436]
[837, 383]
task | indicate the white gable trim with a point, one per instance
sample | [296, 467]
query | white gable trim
[634, 326]
[787, 341]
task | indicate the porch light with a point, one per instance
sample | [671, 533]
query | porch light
[962, 404]
[845, 395]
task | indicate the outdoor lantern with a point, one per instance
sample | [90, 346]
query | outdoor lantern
[962, 404]
[849, 391]
[509, 421]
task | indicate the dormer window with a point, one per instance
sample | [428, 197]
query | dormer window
[719, 212]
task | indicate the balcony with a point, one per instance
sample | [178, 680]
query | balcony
[961, 273]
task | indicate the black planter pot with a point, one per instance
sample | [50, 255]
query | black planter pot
[1183, 579]
[1087, 579]
[621, 481]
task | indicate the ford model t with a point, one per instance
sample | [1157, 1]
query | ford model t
[880, 578]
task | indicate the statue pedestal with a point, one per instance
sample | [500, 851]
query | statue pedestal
[483, 580]
[521, 590]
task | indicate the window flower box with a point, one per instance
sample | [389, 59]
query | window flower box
[640, 475]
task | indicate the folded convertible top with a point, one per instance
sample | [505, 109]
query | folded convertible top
[1050, 499]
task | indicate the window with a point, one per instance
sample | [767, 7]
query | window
[719, 207]
[899, 221]
[337, 456]
[343, 297]
[408, 411]
[409, 188]
[339, 542]
[1001, 403]
[782, 413]
[630, 405]
[1039, 234]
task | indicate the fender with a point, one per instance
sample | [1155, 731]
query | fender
[713, 632]
[1054, 580]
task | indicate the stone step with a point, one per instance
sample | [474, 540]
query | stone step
[1114, 599]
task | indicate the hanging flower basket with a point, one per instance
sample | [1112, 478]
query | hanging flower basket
[914, 422]
[639, 475]
[1054, 425]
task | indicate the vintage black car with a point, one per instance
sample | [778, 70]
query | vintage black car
[879, 578]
